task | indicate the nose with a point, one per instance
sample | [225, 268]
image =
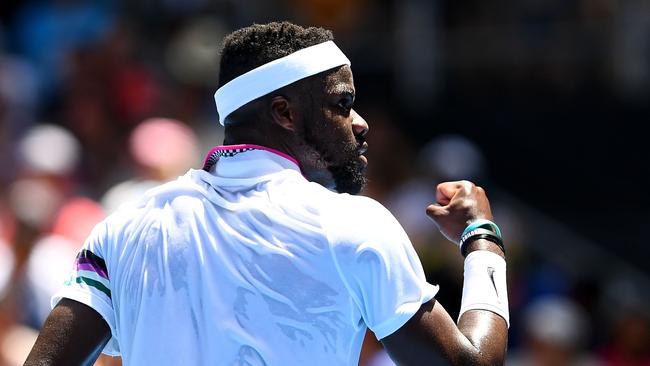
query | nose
[359, 125]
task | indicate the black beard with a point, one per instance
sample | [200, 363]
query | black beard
[346, 168]
[349, 176]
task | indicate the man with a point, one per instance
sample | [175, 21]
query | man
[265, 257]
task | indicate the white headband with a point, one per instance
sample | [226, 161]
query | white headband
[276, 74]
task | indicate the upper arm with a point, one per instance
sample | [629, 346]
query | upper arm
[73, 334]
[91, 283]
[380, 269]
[480, 338]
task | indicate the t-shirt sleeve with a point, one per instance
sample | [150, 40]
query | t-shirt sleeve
[89, 282]
[381, 269]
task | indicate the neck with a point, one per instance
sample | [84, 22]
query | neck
[241, 135]
[263, 134]
[285, 142]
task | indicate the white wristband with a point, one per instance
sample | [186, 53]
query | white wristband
[484, 286]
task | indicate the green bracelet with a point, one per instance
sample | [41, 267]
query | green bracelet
[482, 223]
[477, 234]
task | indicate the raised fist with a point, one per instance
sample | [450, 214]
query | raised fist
[458, 204]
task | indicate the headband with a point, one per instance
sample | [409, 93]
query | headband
[276, 74]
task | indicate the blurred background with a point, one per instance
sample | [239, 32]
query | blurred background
[542, 102]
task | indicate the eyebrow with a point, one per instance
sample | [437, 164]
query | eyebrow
[342, 89]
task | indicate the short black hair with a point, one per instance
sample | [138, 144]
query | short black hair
[253, 46]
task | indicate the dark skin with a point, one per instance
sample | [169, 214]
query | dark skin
[322, 106]
[73, 334]
[480, 337]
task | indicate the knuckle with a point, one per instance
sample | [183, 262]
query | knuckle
[468, 204]
[467, 183]
[464, 204]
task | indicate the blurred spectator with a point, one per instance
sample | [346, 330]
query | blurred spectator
[452, 157]
[18, 92]
[624, 307]
[444, 158]
[418, 54]
[134, 89]
[162, 149]
[18, 87]
[34, 202]
[339, 15]
[630, 341]
[15, 344]
[47, 32]
[192, 55]
[631, 51]
[390, 146]
[372, 352]
[49, 150]
[52, 256]
[556, 333]
[47, 160]
[6, 267]
[452, 90]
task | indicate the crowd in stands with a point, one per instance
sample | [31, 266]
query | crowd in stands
[102, 100]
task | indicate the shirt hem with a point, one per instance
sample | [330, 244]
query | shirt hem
[404, 314]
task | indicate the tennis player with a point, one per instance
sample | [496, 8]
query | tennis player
[266, 256]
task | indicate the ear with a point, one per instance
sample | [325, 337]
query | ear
[282, 113]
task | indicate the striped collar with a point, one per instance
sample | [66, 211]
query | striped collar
[247, 160]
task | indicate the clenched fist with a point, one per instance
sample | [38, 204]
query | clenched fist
[458, 204]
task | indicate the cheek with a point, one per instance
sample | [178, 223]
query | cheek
[344, 132]
[337, 125]
[336, 133]
[332, 133]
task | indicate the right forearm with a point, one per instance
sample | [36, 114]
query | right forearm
[488, 334]
[483, 244]
[484, 309]
[478, 339]
[463, 215]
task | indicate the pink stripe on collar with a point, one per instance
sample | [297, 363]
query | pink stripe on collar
[250, 146]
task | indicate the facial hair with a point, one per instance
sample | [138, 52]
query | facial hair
[341, 161]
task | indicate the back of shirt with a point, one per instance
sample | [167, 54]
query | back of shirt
[217, 270]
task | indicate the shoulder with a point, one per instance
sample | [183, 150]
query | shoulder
[366, 211]
[184, 193]
[337, 202]
[343, 217]
[359, 219]
[188, 185]
[343, 206]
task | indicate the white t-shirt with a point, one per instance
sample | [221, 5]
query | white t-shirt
[248, 264]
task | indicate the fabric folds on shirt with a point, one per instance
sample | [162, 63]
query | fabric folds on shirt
[247, 263]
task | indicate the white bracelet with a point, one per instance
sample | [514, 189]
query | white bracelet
[484, 285]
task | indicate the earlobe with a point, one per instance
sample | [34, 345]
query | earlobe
[282, 113]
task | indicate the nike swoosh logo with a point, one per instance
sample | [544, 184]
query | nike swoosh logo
[490, 271]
